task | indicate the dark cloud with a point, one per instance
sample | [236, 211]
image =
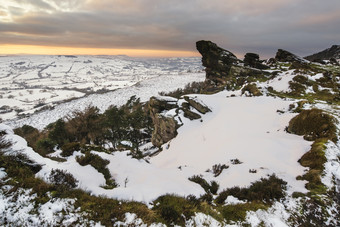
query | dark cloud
[262, 26]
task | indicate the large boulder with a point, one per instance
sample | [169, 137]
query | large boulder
[222, 65]
[165, 128]
[286, 56]
[217, 60]
[253, 60]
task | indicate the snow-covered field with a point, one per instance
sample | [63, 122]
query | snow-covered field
[32, 83]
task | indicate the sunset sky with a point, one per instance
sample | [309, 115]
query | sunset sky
[167, 27]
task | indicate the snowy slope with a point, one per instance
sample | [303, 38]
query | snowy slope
[30, 83]
[269, 149]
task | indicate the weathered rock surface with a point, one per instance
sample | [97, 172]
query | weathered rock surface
[251, 90]
[165, 128]
[327, 54]
[188, 113]
[222, 65]
[286, 56]
[217, 60]
[253, 60]
[203, 109]
[159, 104]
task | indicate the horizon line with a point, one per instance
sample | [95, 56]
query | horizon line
[18, 49]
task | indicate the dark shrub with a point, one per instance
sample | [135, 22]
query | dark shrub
[174, 209]
[69, 148]
[315, 160]
[199, 180]
[266, 190]
[4, 144]
[62, 179]
[191, 88]
[218, 168]
[58, 133]
[214, 187]
[235, 161]
[30, 133]
[207, 197]
[85, 126]
[297, 89]
[25, 130]
[45, 146]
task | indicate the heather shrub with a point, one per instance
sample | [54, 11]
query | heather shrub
[174, 209]
[58, 132]
[208, 188]
[62, 179]
[218, 168]
[191, 88]
[45, 146]
[266, 190]
[69, 148]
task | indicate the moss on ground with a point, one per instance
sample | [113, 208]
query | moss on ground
[313, 124]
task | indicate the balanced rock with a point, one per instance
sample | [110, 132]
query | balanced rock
[217, 60]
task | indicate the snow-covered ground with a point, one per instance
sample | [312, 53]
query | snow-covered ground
[30, 83]
[144, 90]
[248, 129]
[269, 149]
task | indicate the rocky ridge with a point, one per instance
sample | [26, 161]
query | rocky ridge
[331, 54]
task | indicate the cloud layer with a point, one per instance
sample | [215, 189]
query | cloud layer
[301, 26]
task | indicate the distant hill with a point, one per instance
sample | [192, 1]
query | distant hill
[333, 52]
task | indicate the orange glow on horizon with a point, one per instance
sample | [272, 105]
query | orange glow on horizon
[54, 50]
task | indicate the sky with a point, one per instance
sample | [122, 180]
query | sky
[167, 27]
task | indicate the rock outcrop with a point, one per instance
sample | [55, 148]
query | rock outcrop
[217, 60]
[251, 90]
[203, 109]
[165, 128]
[188, 113]
[253, 60]
[286, 56]
[332, 52]
[222, 65]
